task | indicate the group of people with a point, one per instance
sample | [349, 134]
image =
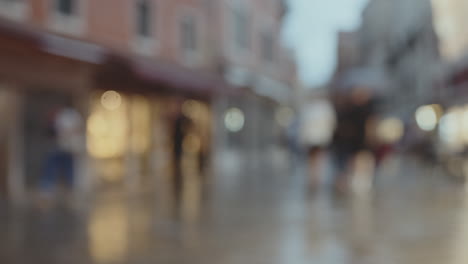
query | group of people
[345, 125]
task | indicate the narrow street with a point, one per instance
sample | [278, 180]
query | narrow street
[412, 216]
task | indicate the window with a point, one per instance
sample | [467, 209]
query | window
[14, 9]
[143, 18]
[188, 33]
[67, 16]
[241, 29]
[268, 47]
[65, 7]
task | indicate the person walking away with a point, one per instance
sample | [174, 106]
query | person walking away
[354, 111]
[180, 131]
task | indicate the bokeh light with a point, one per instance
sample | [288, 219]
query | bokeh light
[107, 127]
[111, 100]
[191, 108]
[234, 120]
[449, 129]
[140, 119]
[390, 130]
[426, 117]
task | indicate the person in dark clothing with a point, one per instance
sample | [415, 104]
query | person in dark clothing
[350, 137]
[181, 127]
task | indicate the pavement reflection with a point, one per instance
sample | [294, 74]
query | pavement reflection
[109, 233]
[409, 218]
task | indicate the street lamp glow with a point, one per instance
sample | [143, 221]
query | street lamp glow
[426, 118]
[234, 120]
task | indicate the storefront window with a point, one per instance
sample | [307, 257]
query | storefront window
[137, 128]
[140, 112]
[108, 126]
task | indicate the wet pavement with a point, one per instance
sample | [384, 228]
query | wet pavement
[414, 215]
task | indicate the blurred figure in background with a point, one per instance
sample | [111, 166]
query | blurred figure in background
[316, 131]
[65, 126]
[355, 115]
[181, 126]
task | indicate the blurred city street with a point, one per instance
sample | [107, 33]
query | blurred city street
[411, 216]
[233, 132]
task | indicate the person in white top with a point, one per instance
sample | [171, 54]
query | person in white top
[66, 127]
[318, 123]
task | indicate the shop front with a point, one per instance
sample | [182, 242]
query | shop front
[130, 138]
[120, 140]
[33, 84]
[131, 124]
[126, 105]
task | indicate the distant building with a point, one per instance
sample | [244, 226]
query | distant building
[450, 24]
[251, 57]
[348, 53]
[398, 38]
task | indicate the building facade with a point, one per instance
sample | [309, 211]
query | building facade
[215, 55]
[400, 38]
[251, 57]
[397, 39]
[348, 52]
[449, 21]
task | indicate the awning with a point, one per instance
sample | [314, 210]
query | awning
[52, 44]
[176, 77]
[72, 49]
[131, 70]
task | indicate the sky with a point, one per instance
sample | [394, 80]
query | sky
[311, 29]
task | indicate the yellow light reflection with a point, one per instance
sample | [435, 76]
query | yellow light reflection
[108, 234]
[107, 130]
[192, 143]
[390, 130]
[438, 110]
[192, 109]
[141, 125]
[112, 170]
[97, 125]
